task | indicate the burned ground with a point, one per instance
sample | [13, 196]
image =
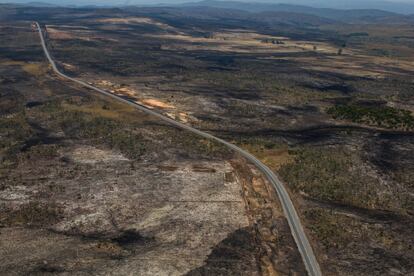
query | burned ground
[89, 185]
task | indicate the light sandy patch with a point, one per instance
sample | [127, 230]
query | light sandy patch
[131, 93]
[179, 116]
[68, 66]
[183, 117]
[105, 83]
[128, 20]
[126, 91]
[137, 20]
[157, 103]
[117, 89]
[15, 193]
[60, 33]
[98, 221]
[54, 33]
[92, 155]
[244, 35]
[171, 115]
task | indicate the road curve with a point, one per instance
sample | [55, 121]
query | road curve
[298, 233]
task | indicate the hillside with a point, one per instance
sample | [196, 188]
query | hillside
[349, 16]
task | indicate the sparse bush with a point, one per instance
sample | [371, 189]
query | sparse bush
[326, 226]
[33, 214]
[336, 175]
[104, 131]
[381, 116]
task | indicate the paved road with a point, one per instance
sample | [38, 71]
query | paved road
[298, 234]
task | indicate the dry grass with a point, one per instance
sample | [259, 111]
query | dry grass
[156, 103]
[354, 64]
[10, 62]
[59, 34]
[92, 155]
[394, 40]
[62, 32]
[113, 111]
[274, 158]
[136, 20]
[34, 69]
[242, 42]
[129, 20]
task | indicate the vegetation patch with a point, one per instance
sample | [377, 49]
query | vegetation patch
[34, 69]
[34, 214]
[327, 228]
[41, 151]
[103, 130]
[381, 116]
[332, 174]
[101, 109]
[273, 155]
[14, 131]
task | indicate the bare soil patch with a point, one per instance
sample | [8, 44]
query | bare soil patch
[92, 155]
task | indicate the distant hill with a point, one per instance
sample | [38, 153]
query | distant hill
[40, 4]
[234, 17]
[363, 15]
[290, 14]
[397, 6]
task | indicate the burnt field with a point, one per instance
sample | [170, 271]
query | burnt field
[326, 110]
[91, 186]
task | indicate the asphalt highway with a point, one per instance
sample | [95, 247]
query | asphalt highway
[296, 227]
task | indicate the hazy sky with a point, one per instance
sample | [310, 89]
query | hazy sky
[310, 2]
[384, 4]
